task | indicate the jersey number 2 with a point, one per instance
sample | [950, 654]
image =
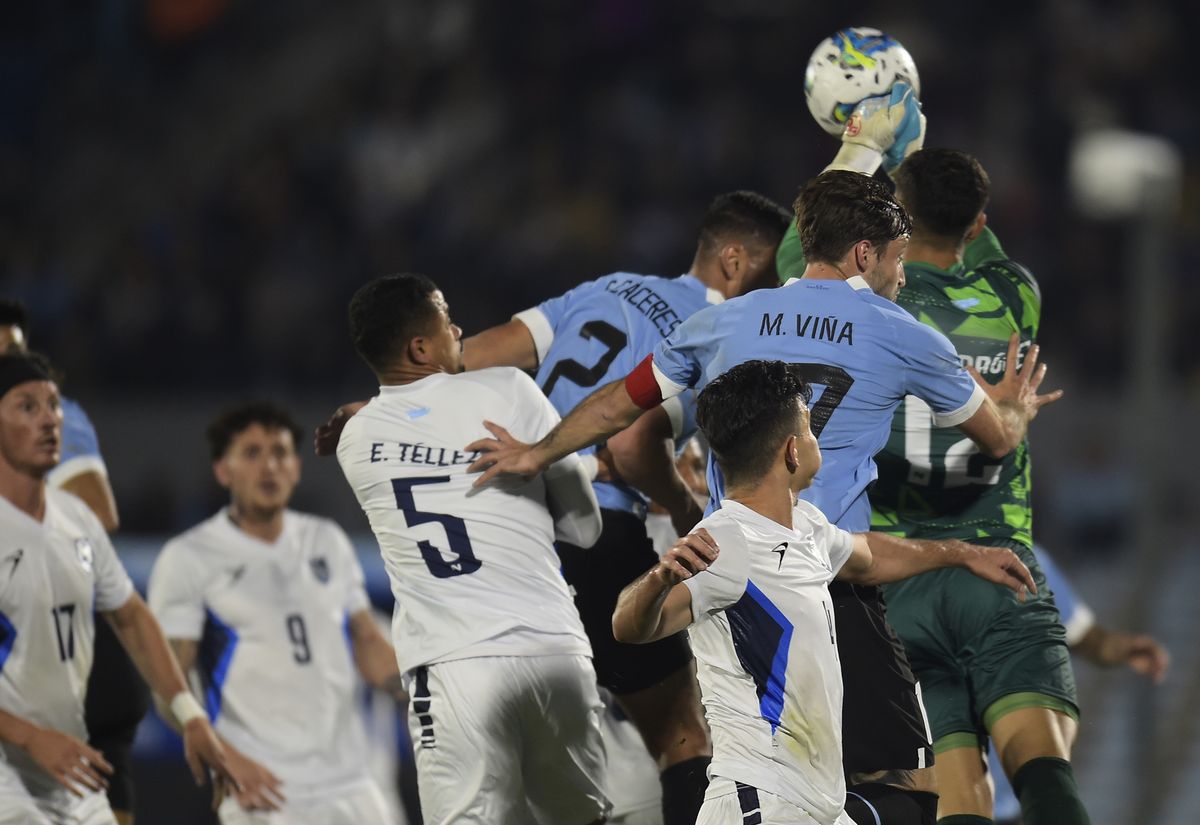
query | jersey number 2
[456, 531]
[576, 372]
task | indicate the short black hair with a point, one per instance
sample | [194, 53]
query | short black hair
[944, 189]
[387, 313]
[747, 412]
[743, 215]
[236, 420]
[13, 314]
[837, 209]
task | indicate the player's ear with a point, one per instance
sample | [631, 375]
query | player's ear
[221, 472]
[791, 455]
[861, 255]
[733, 261]
[418, 350]
[976, 227]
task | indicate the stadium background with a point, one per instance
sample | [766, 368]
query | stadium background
[190, 191]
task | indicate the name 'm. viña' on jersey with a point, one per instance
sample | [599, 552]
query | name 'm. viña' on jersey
[597, 332]
[766, 654]
[473, 571]
[935, 483]
[54, 576]
[861, 353]
[274, 654]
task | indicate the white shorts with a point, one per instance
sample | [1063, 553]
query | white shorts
[359, 803]
[730, 803]
[508, 739]
[56, 807]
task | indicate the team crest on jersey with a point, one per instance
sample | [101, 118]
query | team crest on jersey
[320, 569]
[83, 551]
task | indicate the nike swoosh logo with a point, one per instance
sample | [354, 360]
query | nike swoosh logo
[781, 549]
[235, 574]
[16, 559]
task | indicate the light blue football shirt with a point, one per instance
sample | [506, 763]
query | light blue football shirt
[862, 354]
[598, 332]
[80, 452]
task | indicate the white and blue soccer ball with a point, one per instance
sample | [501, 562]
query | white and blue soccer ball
[850, 66]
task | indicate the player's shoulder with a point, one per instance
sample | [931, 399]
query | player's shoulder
[807, 517]
[74, 509]
[723, 523]
[1010, 272]
[195, 544]
[315, 528]
[508, 382]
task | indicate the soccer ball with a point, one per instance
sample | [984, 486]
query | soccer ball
[848, 67]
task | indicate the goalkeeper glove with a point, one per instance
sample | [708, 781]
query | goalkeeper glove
[885, 129]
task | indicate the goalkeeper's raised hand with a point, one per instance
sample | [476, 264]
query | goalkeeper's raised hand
[885, 129]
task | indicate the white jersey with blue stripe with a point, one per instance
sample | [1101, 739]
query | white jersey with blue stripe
[54, 575]
[274, 654]
[862, 353]
[766, 654]
[598, 332]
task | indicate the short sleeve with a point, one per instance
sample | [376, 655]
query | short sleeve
[724, 582]
[831, 540]
[679, 358]
[355, 598]
[681, 409]
[533, 414]
[934, 374]
[113, 586]
[80, 447]
[176, 594]
[540, 329]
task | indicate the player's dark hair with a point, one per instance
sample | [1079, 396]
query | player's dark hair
[944, 189]
[387, 313]
[232, 422]
[837, 209]
[747, 412]
[743, 215]
[13, 314]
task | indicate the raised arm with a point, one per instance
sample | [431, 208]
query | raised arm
[505, 345]
[658, 604]
[878, 558]
[999, 425]
[608, 410]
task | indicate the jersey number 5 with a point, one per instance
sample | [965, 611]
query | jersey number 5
[456, 531]
[576, 372]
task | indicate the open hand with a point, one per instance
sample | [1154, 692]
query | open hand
[502, 454]
[76, 766]
[260, 790]
[203, 752]
[1018, 389]
[999, 565]
[692, 554]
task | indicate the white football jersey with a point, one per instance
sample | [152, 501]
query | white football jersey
[766, 654]
[53, 575]
[274, 655]
[473, 571]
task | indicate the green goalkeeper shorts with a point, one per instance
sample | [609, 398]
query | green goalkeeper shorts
[972, 643]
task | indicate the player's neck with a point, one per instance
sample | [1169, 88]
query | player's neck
[821, 271]
[768, 498]
[25, 492]
[406, 373]
[940, 253]
[264, 526]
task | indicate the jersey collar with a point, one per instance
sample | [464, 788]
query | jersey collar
[713, 296]
[857, 283]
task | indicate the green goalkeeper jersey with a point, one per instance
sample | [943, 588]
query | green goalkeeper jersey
[934, 483]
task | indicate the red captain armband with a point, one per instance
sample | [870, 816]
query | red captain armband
[642, 386]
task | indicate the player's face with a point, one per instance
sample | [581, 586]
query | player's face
[31, 427]
[808, 454]
[886, 278]
[446, 341]
[12, 339]
[261, 469]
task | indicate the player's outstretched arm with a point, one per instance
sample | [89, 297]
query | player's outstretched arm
[374, 656]
[146, 645]
[999, 425]
[1143, 654]
[327, 435]
[608, 410]
[505, 345]
[658, 604]
[643, 456]
[878, 558]
[75, 766]
[885, 129]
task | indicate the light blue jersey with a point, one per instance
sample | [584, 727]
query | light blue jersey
[598, 332]
[80, 446]
[861, 353]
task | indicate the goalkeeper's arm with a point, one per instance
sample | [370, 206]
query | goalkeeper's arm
[882, 130]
